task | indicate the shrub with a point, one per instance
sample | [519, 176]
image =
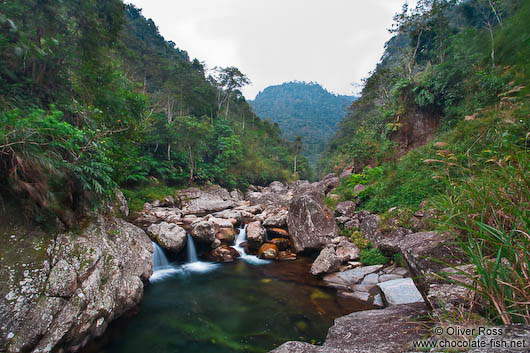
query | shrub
[373, 256]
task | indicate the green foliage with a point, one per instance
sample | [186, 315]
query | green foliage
[303, 109]
[147, 192]
[373, 256]
[356, 237]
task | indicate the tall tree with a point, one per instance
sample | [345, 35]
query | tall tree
[227, 80]
[297, 148]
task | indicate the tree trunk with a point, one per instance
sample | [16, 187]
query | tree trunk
[192, 167]
[169, 151]
[490, 28]
[495, 12]
[294, 167]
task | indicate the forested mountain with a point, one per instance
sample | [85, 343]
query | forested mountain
[303, 109]
[93, 97]
[443, 128]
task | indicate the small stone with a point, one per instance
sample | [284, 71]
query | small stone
[378, 301]
[400, 291]
[372, 278]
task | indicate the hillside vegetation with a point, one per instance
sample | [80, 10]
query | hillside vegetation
[92, 97]
[303, 109]
[453, 79]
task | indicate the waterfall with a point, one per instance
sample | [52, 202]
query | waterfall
[192, 253]
[161, 267]
[251, 259]
[159, 258]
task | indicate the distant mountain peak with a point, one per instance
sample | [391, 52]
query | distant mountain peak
[303, 109]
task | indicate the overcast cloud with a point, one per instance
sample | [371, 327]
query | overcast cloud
[333, 42]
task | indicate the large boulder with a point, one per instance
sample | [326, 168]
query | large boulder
[202, 202]
[370, 228]
[255, 235]
[326, 262]
[168, 235]
[58, 291]
[311, 224]
[203, 231]
[347, 251]
[277, 219]
[330, 182]
[388, 330]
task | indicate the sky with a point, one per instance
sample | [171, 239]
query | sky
[333, 42]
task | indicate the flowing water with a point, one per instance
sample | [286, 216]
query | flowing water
[251, 259]
[234, 307]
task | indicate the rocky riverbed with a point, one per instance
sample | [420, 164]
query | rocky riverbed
[60, 291]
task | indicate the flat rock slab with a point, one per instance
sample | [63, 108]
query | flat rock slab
[517, 336]
[387, 330]
[347, 278]
[400, 291]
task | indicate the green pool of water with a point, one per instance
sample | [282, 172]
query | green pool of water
[236, 307]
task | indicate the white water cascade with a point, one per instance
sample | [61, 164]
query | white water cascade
[161, 267]
[193, 264]
[251, 259]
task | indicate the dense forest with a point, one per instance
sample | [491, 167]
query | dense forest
[93, 97]
[303, 109]
[443, 125]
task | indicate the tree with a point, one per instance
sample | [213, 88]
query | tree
[227, 80]
[191, 134]
[297, 148]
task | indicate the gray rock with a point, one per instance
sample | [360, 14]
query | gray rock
[400, 291]
[168, 235]
[122, 202]
[236, 195]
[390, 242]
[370, 228]
[345, 209]
[389, 277]
[255, 235]
[372, 278]
[359, 188]
[311, 223]
[65, 289]
[352, 224]
[347, 251]
[277, 220]
[203, 231]
[388, 330]
[427, 253]
[329, 182]
[400, 271]
[364, 287]
[348, 278]
[326, 262]
[364, 297]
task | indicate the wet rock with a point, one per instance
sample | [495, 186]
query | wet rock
[400, 291]
[281, 243]
[224, 229]
[268, 251]
[388, 330]
[203, 231]
[345, 209]
[278, 232]
[286, 256]
[168, 235]
[255, 235]
[223, 253]
[326, 262]
[311, 224]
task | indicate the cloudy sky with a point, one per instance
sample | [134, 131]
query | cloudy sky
[333, 42]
